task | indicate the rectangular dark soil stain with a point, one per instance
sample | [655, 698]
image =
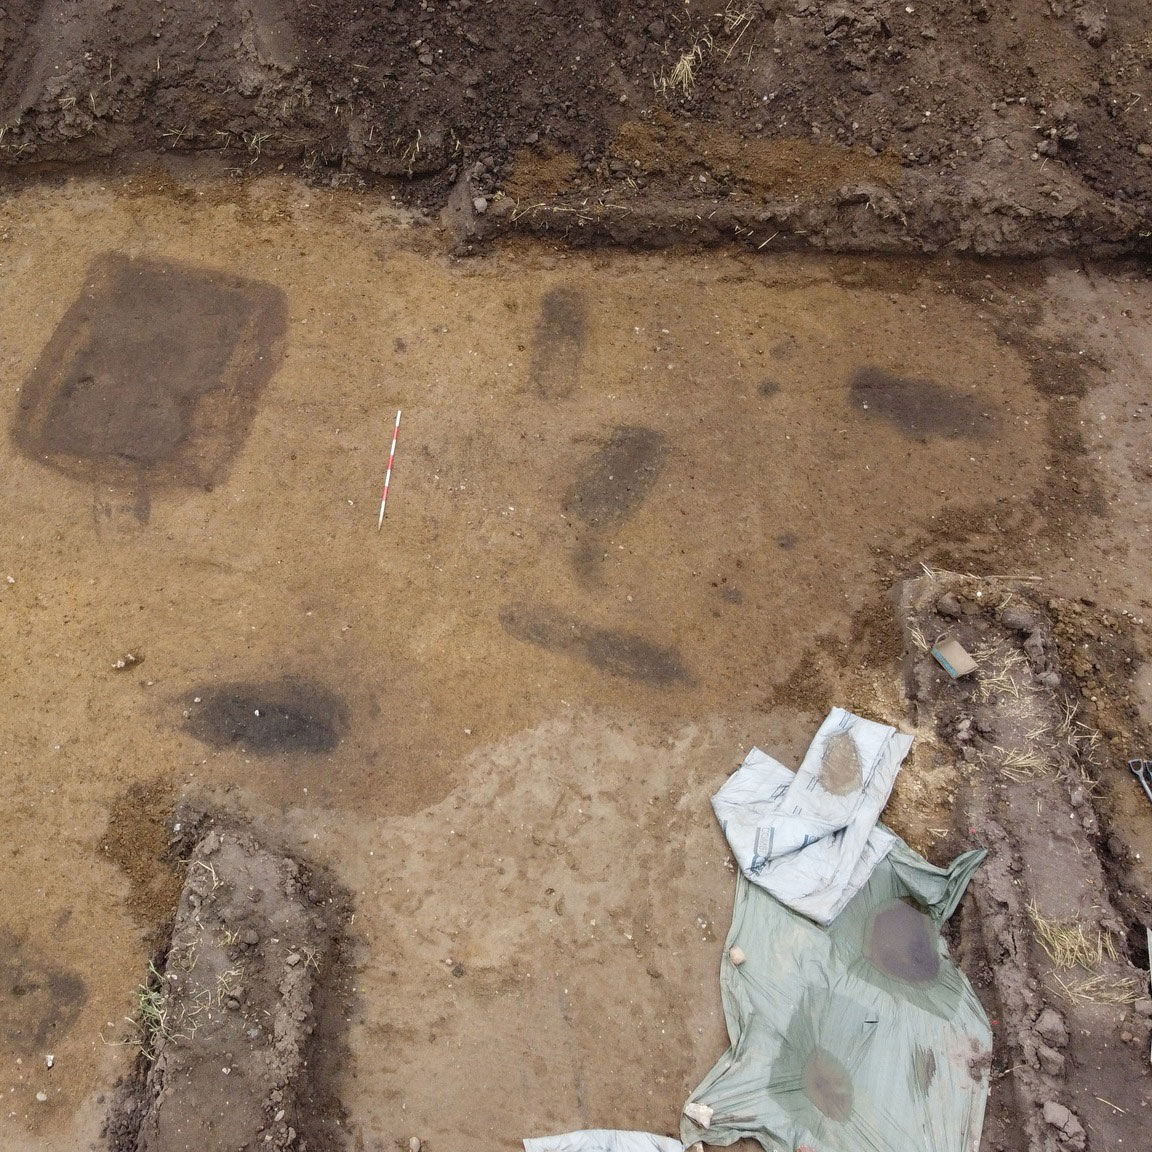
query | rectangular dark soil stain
[152, 377]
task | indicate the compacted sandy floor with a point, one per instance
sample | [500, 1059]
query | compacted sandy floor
[646, 512]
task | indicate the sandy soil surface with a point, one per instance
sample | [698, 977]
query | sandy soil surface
[987, 126]
[648, 510]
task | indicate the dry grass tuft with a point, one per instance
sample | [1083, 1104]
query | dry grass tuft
[997, 666]
[916, 634]
[737, 20]
[682, 78]
[1021, 767]
[1100, 989]
[1067, 943]
[737, 17]
[1078, 735]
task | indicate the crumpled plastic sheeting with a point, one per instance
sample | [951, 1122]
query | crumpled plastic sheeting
[810, 837]
[859, 1037]
[603, 1140]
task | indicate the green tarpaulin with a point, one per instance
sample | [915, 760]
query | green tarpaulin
[857, 1037]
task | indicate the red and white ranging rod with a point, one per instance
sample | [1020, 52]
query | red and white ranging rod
[388, 474]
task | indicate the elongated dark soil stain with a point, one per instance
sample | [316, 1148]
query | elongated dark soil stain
[918, 407]
[617, 653]
[558, 343]
[38, 1000]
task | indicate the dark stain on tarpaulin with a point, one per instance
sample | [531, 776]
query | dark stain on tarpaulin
[152, 377]
[902, 943]
[924, 1068]
[827, 1085]
[274, 717]
[918, 407]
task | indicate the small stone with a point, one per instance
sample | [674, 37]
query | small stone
[1126, 1037]
[480, 203]
[1070, 1128]
[736, 955]
[1034, 645]
[1144, 150]
[949, 606]
[292, 959]
[278, 1117]
[1018, 618]
[700, 1114]
[1094, 25]
[41, 1096]
[1050, 1060]
[414, 1144]
[249, 937]
[1049, 1027]
[1143, 1007]
[49, 1060]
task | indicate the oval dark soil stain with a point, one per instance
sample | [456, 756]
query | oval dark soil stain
[281, 716]
[617, 477]
[38, 1001]
[901, 942]
[918, 407]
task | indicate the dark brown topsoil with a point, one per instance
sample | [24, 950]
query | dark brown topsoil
[980, 125]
